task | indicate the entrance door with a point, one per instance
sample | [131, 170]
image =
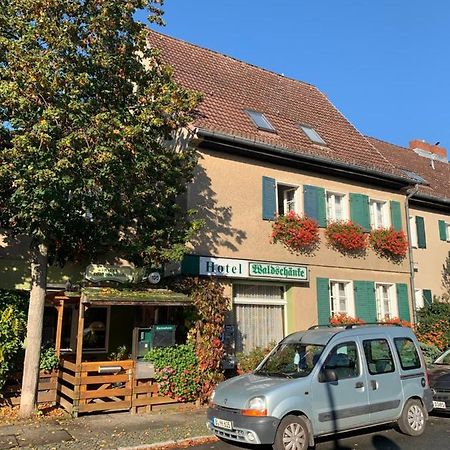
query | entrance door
[259, 312]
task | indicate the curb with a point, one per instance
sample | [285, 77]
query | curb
[173, 444]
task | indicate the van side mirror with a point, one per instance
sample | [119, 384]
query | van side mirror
[327, 375]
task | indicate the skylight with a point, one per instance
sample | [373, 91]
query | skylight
[312, 134]
[260, 120]
[414, 176]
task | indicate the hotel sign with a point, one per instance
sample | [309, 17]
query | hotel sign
[241, 268]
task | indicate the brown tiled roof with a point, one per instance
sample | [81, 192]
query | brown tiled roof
[438, 179]
[229, 86]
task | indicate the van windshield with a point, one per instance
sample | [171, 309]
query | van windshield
[291, 361]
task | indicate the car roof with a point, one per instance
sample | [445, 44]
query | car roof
[322, 335]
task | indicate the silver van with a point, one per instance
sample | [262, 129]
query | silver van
[322, 381]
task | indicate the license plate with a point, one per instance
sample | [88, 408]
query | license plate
[439, 405]
[227, 424]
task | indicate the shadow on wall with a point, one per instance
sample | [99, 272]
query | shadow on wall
[217, 231]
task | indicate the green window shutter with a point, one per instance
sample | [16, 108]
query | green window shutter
[420, 225]
[269, 198]
[359, 210]
[365, 305]
[403, 302]
[442, 230]
[396, 217]
[427, 297]
[314, 204]
[323, 301]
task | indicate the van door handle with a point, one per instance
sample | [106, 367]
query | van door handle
[359, 385]
[374, 384]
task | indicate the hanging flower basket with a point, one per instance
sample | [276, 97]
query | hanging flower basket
[340, 319]
[389, 243]
[397, 321]
[347, 237]
[299, 234]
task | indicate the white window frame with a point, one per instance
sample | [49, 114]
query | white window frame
[419, 300]
[392, 299]
[349, 297]
[413, 232]
[374, 221]
[297, 196]
[447, 231]
[331, 209]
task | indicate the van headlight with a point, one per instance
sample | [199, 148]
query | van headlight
[256, 407]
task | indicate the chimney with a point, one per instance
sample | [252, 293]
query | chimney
[427, 150]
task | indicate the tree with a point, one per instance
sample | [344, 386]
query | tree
[446, 279]
[85, 107]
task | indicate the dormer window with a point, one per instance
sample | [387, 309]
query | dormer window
[260, 120]
[312, 134]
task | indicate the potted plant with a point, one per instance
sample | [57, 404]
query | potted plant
[341, 319]
[299, 234]
[389, 243]
[347, 237]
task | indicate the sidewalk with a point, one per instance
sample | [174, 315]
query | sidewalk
[121, 431]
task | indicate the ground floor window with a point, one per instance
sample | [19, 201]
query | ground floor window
[341, 298]
[258, 315]
[386, 304]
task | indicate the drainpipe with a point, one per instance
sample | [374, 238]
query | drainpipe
[409, 194]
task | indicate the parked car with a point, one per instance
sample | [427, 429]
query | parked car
[439, 378]
[322, 381]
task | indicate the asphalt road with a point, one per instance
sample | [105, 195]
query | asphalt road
[436, 437]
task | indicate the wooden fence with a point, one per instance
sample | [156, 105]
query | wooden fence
[106, 386]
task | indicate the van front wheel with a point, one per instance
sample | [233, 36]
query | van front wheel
[292, 434]
[412, 420]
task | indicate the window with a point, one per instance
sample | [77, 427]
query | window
[335, 207]
[260, 120]
[287, 199]
[258, 315]
[341, 300]
[413, 231]
[378, 214]
[385, 296]
[312, 134]
[420, 303]
[407, 353]
[344, 361]
[95, 332]
[447, 231]
[378, 356]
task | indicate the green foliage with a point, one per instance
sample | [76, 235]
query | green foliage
[49, 360]
[212, 305]
[247, 362]
[176, 371]
[446, 279]
[433, 327]
[430, 352]
[85, 106]
[120, 354]
[12, 331]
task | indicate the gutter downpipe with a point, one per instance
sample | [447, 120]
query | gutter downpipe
[409, 194]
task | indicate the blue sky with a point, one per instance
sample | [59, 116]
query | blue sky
[383, 63]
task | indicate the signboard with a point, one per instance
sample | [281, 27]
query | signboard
[104, 272]
[241, 268]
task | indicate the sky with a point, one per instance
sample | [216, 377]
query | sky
[385, 64]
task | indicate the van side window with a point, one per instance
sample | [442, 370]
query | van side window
[378, 356]
[344, 360]
[407, 352]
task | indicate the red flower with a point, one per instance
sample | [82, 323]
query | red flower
[389, 242]
[346, 236]
[339, 319]
[299, 234]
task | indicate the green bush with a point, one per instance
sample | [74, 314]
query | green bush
[176, 371]
[13, 318]
[247, 362]
[430, 352]
[433, 327]
[49, 360]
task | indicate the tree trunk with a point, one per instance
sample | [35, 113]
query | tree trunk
[34, 331]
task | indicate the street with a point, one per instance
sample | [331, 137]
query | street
[437, 436]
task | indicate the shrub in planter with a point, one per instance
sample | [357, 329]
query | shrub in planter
[49, 360]
[389, 243]
[176, 371]
[341, 319]
[299, 234]
[347, 237]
